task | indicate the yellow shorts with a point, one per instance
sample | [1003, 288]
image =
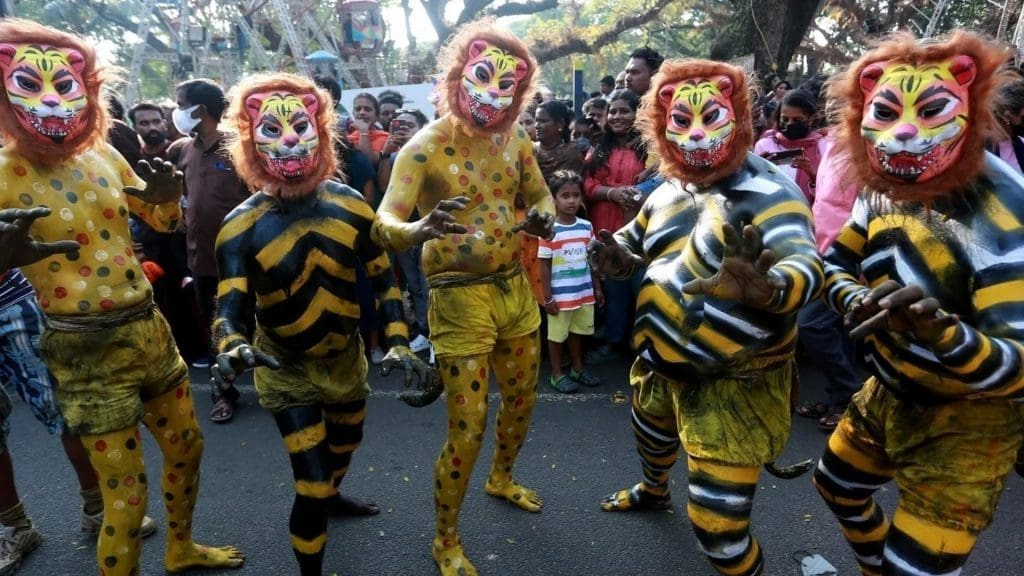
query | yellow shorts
[742, 419]
[468, 320]
[304, 381]
[950, 460]
[579, 321]
[103, 377]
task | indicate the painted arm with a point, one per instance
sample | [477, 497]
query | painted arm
[843, 262]
[378, 270]
[786, 229]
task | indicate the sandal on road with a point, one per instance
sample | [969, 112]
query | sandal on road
[223, 410]
[829, 421]
[812, 410]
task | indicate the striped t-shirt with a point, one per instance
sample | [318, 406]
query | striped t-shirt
[14, 287]
[571, 285]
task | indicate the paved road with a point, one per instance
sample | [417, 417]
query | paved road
[579, 449]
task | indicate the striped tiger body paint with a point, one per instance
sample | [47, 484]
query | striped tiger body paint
[299, 261]
[700, 120]
[968, 256]
[915, 117]
[489, 82]
[679, 234]
[45, 88]
[285, 132]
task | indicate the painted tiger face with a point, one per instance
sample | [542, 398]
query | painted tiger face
[285, 133]
[45, 89]
[700, 120]
[915, 117]
[489, 82]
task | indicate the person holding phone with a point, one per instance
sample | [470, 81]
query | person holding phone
[793, 145]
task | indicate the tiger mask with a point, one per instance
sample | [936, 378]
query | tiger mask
[918, 115]
[50, 107]
[488, 80]
[282, 140]
[697, 117]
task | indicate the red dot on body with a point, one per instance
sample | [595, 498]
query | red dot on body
[20, 170]
[460, 399]
[108, 213]
[82, 239]
[85, 271]
[465, 152]
[180, 393]
[44, 302]
[129, 481]
[519, 402]
[107, 304]
[119, 260]
[483, 373]
[60, 292]
[406, 179]
[456, 461]
[528, 161]
[464, 180]
[100, 446]
[134, 500]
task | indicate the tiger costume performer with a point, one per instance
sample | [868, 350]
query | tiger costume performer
[295, 246]
[105, 343]
[716, 318]
[470, 164]
[938, 236]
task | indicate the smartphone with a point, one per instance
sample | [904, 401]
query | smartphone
[396, 124]
[784, 156]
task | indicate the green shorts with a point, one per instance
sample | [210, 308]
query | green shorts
[950, 461]
[579, 321]
[104, 376]
[741, 419]
[304, 381]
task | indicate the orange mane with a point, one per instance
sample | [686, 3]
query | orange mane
[652, 118]
[96, 121]
[455, 55]
[243, 150]
[981, 124]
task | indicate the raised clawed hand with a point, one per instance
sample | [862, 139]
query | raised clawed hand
[237, 361]
[17, 248]
[421, 378]
[163, 182]
[902, 309]
[440, 221]
[608, 257]
[537, 224]
[743, 275]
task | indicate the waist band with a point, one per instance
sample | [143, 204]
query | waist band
[98, 322]
[457, 279]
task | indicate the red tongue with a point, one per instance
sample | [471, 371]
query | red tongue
[292, 165]
[52, 123]
[904, 161]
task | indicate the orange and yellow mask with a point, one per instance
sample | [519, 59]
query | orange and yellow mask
[915, 117]
[489, 82]
[45, 88]
[284, 131]
[700, 120]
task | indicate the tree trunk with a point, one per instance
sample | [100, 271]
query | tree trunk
[410, 37]
[770, 29]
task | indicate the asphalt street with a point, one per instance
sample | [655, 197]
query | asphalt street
[579, 449]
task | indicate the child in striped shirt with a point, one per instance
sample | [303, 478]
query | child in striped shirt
[570, 287]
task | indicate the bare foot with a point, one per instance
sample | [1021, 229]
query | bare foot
[519, 495]
[452, 561]
[348, 506]
[635, 498]
[194, 555]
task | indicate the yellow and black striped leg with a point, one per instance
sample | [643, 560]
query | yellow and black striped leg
[721, 498]
[917, 547]
[847, 476]
[305, 437]
[344, 435]
[657, 442]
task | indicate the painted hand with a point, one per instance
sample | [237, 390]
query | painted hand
[743, 275]
[608, 257]
[537, 224]
[18, 248]
[232, 364]
[163, 182]
[440, 221]
[901, 309]
[427, 387]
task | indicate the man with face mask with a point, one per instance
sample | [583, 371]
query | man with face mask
[463, 173]
[212, 190]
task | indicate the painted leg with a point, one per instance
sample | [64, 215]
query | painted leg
[657, 442]
[918, 547]
[515, 362]
[846, 477]
[117, 459]
[465, 382]
[171, 418]
[305, 438]
[344, 434]
[720, 500]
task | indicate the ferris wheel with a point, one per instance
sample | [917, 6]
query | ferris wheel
[345, 42]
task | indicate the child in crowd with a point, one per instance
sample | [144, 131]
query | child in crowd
[570, 287]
